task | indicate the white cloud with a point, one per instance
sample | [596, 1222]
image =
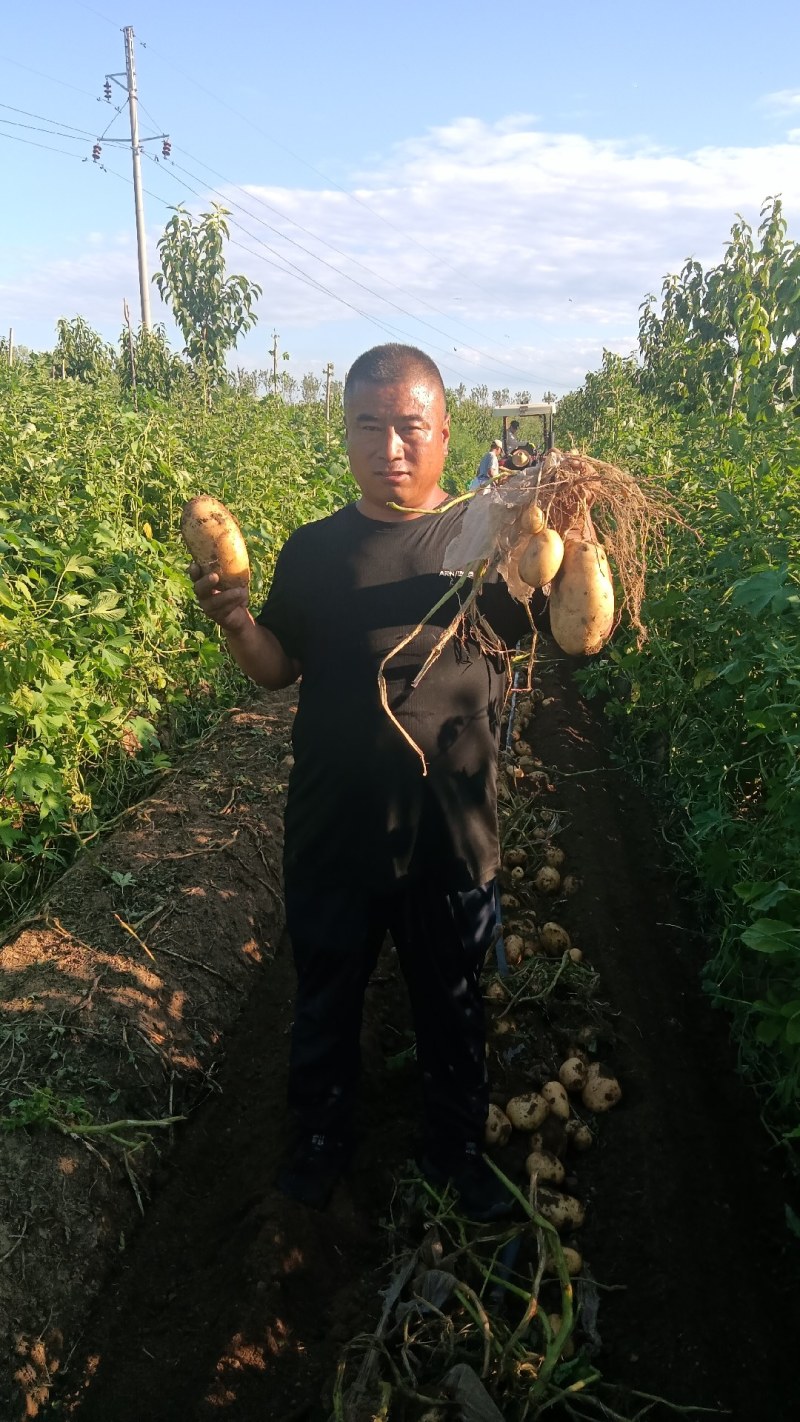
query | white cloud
[543, 243]
[781, 102]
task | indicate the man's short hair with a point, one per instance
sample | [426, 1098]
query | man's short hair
[387, 364]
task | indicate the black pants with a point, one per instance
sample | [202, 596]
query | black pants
[442, 939]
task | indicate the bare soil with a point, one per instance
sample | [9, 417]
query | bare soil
[174, 1283]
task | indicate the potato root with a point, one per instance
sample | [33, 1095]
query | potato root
[215, 541]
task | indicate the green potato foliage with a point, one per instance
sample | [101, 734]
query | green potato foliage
[707, 710]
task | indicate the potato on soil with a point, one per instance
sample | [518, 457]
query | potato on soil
[554, 856]
[495, 992]
[575, 955]
[571, 883]
[582, 599]
[551, 1136]
[215, 541]
[602, 1090]
[546, 1167]
[527, 1112]
[573, 1260]
[562, 1211]
[515, 947]
[579, 1135]
[547, 880]
[554, 938]
[572, 1074]
[557, 1099]
[498, 1127]
[517, 874]
[514, 857]
[509, 901]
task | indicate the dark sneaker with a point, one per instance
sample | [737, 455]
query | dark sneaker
[313, 1170]
[482, 1196]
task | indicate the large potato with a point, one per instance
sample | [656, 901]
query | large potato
[215, 541]
[582, 599]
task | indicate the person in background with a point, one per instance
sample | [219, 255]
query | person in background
[513, 440]
[489, 467]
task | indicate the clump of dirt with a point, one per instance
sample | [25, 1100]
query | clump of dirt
[227, 1298]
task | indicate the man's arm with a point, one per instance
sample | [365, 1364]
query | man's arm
[255, 649]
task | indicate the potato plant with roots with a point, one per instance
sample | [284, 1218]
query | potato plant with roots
[559, 525]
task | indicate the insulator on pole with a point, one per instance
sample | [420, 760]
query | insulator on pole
[107, 91]
[166, 148]
[96, 151]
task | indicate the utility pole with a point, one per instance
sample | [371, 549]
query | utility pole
[11, 345]
[328, 372]
[133, 109]
[136, 148]
[274, 354]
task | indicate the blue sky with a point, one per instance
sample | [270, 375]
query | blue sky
[521, 180]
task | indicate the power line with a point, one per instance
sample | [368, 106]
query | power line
[98, 13]
[332, 246]
[87, 133]
[290, 269]
[50, 77]
[493, 360]
[332, 181]
[34, 128]
[14, 138]
[410, 315]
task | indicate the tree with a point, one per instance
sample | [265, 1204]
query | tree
[729, 339]
[480, 394]
[310, 388]
[145, 362]
[522, 397]
[501, 397]
[549, 398]
[80, 352]
[211, 309]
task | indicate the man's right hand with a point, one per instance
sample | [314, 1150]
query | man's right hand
[228, 609]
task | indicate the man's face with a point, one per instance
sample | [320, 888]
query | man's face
[397, 439]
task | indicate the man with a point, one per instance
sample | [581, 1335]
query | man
[489, 467]
[513, 440]
[372, 844]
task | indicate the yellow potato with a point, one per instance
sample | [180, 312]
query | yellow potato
[215, 541]
[554, 938]
[541, 559]
[563, 1211]
[546, 1167]
[602, 1090]
[556, 1097]
[547, 879]
[498, 1127]
[527, 1112]
[582, 599]
[572, 1074]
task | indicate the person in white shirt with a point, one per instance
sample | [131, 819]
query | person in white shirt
[513, 440]
[489, 467]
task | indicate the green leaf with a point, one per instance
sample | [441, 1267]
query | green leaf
[770, 935]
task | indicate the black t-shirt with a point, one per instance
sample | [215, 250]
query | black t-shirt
[346, 590]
